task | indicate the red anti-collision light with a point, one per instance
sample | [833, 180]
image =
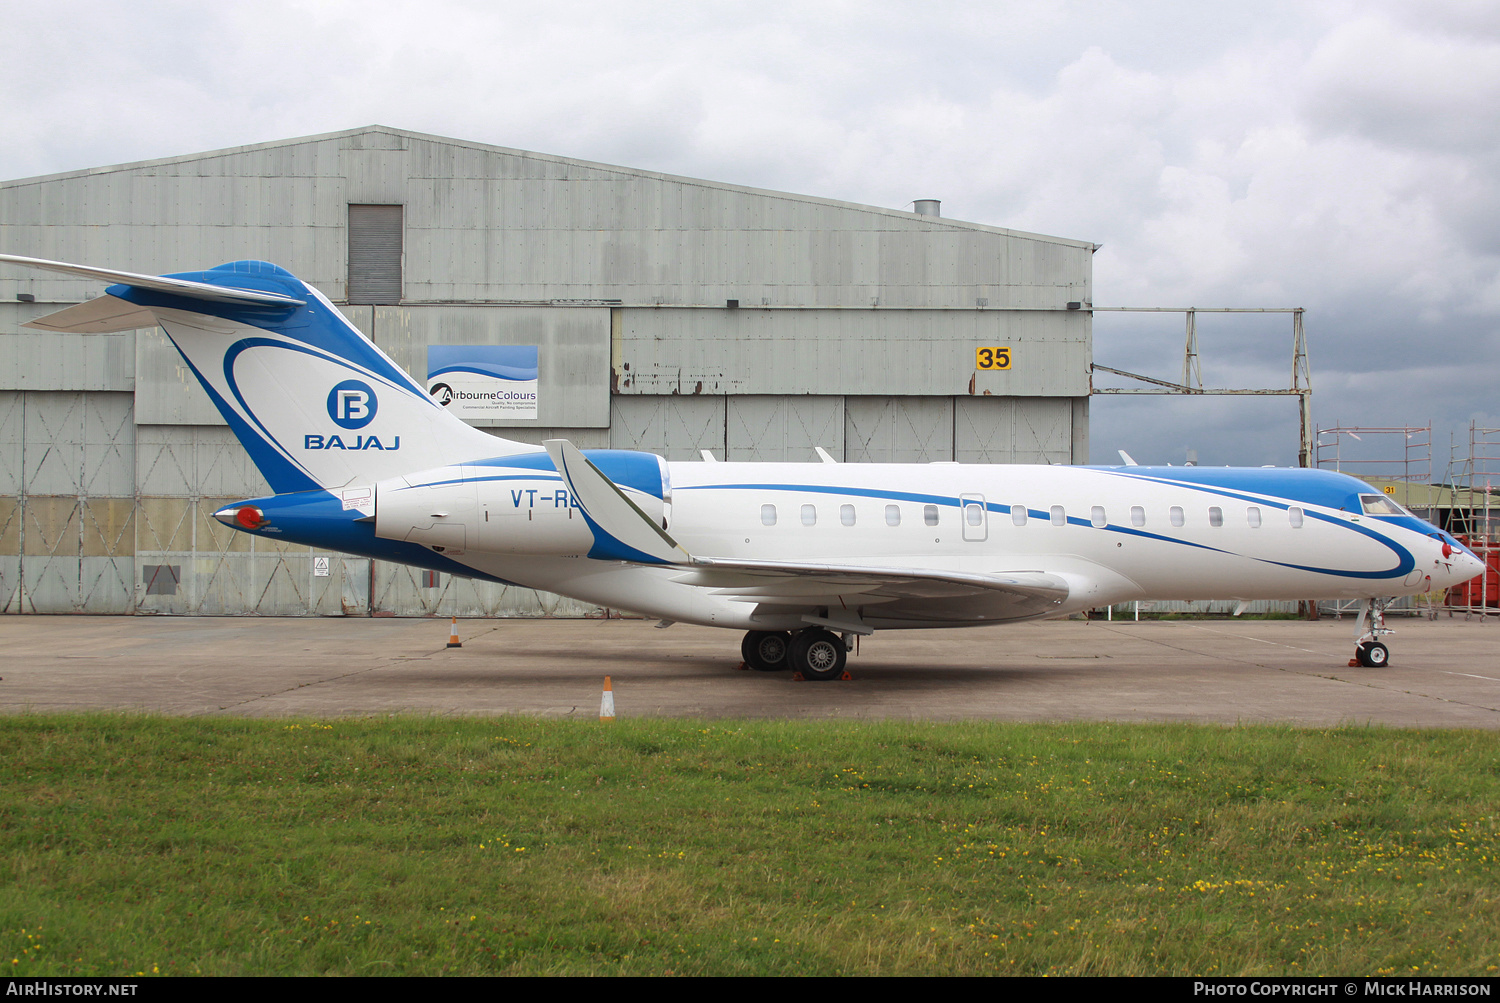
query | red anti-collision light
[250, 517]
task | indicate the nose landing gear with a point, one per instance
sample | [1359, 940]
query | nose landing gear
[1369, 652]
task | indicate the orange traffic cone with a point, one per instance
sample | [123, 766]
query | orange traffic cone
[607, 703]
[453, 641]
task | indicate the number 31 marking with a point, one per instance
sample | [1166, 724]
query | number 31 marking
[992, 358]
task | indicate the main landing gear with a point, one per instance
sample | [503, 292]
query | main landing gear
[815, 653]
[1369, 652]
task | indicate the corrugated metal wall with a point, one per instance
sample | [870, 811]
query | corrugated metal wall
[488, 224]
[67, 500]
[875, 429]
[185, 473]
[878, 351]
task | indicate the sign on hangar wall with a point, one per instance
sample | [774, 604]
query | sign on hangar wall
[484, 381]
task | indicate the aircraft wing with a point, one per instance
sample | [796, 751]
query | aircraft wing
[886, 593]
[622, 531]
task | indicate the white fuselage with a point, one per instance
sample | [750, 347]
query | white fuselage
[1113, 533]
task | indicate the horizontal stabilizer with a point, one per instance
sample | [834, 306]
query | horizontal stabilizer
[104, 315]
[185, 288]
[621, 530]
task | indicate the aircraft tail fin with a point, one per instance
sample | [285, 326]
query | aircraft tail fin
[314, 401]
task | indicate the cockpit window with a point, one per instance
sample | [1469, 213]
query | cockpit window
[1379, 505]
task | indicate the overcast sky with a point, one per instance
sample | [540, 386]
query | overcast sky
[1342, 157]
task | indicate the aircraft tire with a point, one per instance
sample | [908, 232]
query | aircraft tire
[766, 650]
[818, 654]
[1373, 655]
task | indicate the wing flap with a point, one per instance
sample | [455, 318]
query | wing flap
[792, 584]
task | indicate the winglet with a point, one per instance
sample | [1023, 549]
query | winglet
[622, 531]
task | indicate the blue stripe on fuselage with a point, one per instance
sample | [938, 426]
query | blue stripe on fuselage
[1405, 561]
[1287, 486]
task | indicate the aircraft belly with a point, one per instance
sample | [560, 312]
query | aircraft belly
[619, 586]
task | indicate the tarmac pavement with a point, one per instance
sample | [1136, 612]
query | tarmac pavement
[1443, 673]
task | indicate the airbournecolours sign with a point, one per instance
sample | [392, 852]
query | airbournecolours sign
[483, 381]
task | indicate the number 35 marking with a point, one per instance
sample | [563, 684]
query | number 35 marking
[992, 358]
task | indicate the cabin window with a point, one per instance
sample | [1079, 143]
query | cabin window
[893, 515]
[1059, 517]
[1253, 515]
[929, 514]
[1175, 512]
[1018, 514]
[1137, 516]
[1096, 516]
[768, 515]
[1294, 516]
[809, 515]
[973, 513]
[846, 514]
[1215, 516]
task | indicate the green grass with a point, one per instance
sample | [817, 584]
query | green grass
[412, 845]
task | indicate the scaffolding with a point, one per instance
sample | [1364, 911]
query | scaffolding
[1408, 461]
[1476, 522]
[1300, 385]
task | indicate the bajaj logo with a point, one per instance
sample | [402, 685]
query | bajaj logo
[352, 404]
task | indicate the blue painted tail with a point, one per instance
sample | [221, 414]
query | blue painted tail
[315, 403]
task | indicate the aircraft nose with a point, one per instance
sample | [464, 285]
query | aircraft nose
[1467, 566]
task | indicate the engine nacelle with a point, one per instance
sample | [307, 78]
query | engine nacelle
[512, 504]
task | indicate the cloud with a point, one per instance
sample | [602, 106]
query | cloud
[1405, 87]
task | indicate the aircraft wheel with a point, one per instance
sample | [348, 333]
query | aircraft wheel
[1373, 655]
[766, 650]
[818, 654]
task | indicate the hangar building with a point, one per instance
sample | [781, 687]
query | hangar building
[667, 314]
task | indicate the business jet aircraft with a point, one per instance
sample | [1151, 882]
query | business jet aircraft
[802, 557]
